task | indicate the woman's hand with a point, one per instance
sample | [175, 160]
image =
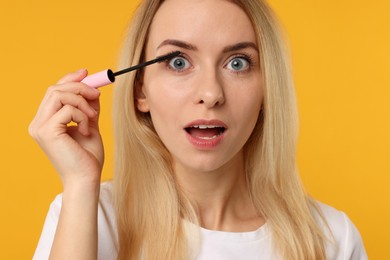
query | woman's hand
[66, 128]
[76, 149]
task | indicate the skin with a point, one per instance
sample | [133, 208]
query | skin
[77, 154]
[206, 87]
[209, 88]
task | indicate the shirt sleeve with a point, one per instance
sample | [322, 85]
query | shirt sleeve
[43, 249]
[354, 248]
[107, 236]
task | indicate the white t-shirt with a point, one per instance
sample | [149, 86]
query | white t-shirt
[215, 245]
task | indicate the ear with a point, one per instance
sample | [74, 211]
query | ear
[141, 98]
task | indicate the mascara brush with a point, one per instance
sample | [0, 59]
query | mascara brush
[106, 77]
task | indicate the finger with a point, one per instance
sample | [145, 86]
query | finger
[58, 99]
[66, 115]
[76, 76]
[60, 95]
[54, 92]
[76, 88]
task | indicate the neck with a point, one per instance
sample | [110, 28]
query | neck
[221, 196]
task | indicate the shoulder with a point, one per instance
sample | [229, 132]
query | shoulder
[105, 197]
[105, 208]
[107, 232]
[345, 241]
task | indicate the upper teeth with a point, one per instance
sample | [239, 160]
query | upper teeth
[205, 126]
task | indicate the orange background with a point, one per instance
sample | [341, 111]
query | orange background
[340, 52]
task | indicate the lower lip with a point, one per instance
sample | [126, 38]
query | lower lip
[205, 144]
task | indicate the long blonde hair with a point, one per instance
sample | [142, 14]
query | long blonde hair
[149, 205]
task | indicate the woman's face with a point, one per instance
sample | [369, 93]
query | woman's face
[205, 103]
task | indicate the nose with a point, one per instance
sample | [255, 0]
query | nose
[209, 90]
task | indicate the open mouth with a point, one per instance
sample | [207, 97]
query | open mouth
[205, 132]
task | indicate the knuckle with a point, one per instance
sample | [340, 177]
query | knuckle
[51, 89]
[55, 94]
[31, 130]
[80, 101]
[35, 132]
[40, 133]
[68, 108]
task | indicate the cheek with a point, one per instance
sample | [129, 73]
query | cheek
[162, 117]
[167, 93]
[247, 98]
[166, 101]
[256, 93]
[247, 109]
[161, 107]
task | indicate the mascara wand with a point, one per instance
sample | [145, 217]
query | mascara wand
[106, 77]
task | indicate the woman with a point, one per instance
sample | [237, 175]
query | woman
[205, 148]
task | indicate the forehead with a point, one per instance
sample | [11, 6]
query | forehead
[201, 22]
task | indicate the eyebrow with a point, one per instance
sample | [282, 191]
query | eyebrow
[230, 48]
[178, 43]
[240, 46]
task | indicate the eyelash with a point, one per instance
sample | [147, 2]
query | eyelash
[248, 58]
[181, 55]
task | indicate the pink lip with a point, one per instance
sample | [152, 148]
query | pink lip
[205, 144]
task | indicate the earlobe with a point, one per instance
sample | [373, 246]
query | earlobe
[141, 99]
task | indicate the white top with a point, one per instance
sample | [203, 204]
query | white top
[215, 245]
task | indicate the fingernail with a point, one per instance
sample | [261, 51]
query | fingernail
[81, 70]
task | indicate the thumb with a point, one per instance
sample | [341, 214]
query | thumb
[76, 76]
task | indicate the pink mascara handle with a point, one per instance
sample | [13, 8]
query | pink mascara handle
[99, 79]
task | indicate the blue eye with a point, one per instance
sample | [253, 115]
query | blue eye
[238, 64]
[179, 63]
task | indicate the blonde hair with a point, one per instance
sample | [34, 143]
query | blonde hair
[149, 205]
